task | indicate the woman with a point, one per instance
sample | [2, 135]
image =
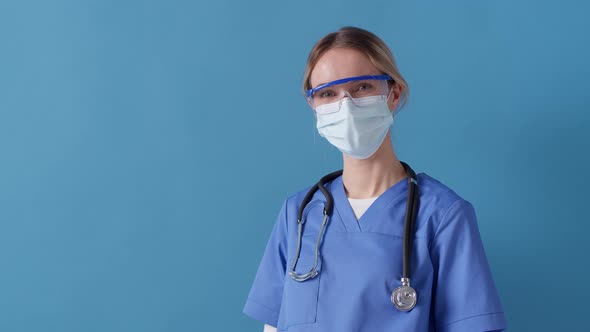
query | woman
[342, 268]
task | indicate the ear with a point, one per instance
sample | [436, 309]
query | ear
[394, 95]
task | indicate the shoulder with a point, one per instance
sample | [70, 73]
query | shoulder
[435, 192]
[439, 201]
[298, 195]
[435, 189]
[293, 201]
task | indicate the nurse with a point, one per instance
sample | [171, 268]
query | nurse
[354, 87]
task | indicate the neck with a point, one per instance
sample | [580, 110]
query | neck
[364, 178]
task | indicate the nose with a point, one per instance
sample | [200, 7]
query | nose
[345, 94]
[346, 97]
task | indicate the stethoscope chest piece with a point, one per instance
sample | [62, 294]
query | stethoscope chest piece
[404, 297]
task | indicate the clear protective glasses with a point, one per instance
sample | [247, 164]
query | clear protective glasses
[362, 90]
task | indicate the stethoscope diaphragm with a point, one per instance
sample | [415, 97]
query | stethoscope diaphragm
[404, 297]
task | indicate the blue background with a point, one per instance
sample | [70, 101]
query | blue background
[146, 147]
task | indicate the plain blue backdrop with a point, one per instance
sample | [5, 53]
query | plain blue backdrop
[146, 147]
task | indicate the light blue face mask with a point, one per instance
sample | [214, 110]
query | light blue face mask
[356, 127]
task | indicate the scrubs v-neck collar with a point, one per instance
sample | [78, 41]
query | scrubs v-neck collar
[372, 215]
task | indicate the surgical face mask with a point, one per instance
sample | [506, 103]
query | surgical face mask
[357, 127]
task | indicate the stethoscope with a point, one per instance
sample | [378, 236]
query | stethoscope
[403, 297]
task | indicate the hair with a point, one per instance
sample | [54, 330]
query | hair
[367, 43]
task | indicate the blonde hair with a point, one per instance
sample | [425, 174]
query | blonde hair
[367, 43]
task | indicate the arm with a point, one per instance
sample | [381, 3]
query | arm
[264, 299]
[464, 294]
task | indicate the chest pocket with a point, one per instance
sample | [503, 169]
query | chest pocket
[300, 299]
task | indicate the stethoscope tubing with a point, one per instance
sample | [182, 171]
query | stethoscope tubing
[328, 208]
[403, 297]
[409, 219]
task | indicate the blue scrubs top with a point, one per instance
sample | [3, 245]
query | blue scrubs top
[361, 264]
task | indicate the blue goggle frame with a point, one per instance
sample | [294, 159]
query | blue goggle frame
[345, 80]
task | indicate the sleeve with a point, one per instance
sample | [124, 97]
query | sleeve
[464, 294]
[265, 296]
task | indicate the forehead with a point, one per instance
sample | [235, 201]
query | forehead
[340, 63]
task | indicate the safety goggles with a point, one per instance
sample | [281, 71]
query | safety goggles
[328, 97]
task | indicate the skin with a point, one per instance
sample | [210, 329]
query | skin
[362, 178]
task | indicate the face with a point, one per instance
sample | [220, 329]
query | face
[340, 63]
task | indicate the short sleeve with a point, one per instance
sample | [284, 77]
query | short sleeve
[464, 295]
[264, 299]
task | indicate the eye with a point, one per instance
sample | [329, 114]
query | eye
[364, 87]
[326, 94]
